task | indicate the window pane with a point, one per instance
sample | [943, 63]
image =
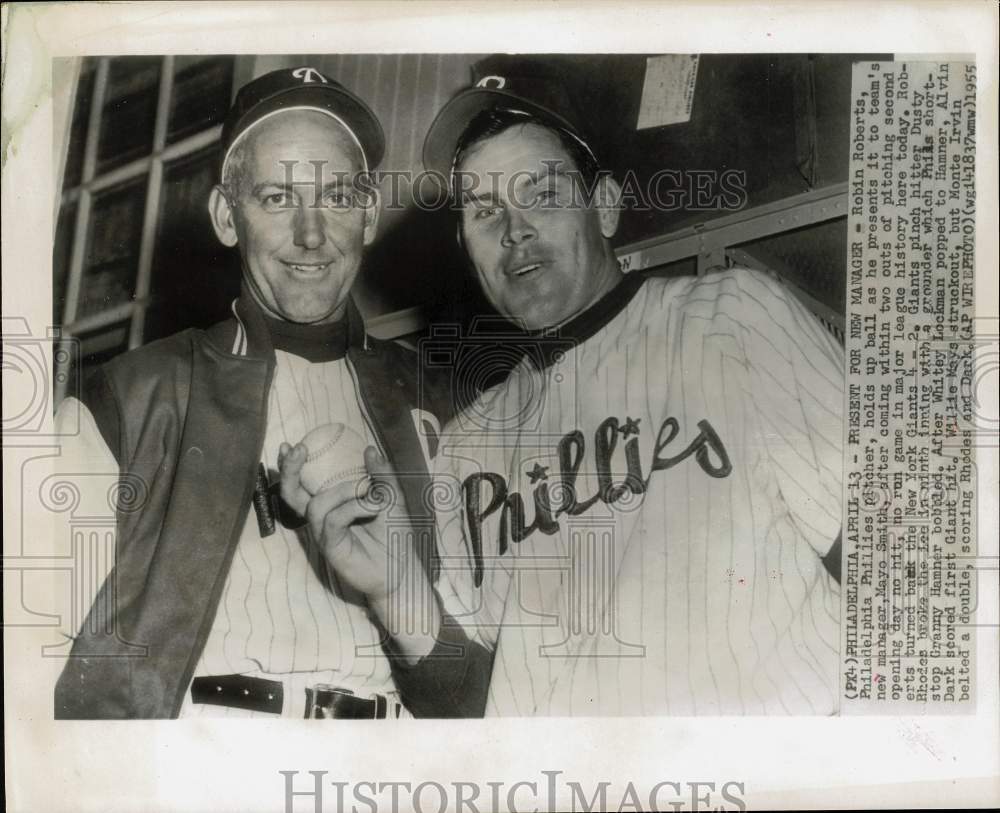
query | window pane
[73, 174]
[194, 277]
[129, 112]
[112, 248]
[60, 260]
[200, 99]
[99, 346]
[96, 348]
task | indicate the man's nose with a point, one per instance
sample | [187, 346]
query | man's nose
[518, 227]
[308, 224]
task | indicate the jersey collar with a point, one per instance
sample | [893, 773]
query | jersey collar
[581, 327]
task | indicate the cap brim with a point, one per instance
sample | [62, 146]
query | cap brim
[354, 112]
[449, 124]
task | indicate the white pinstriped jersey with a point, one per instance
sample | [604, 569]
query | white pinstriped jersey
[284, 615]
[697, 590]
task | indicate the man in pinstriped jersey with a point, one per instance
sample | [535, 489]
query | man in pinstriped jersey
[211, 608]
[646, 513]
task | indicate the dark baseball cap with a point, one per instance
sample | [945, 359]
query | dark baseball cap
[503, 82]
[303, 88]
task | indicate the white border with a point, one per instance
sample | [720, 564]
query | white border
[948, 761]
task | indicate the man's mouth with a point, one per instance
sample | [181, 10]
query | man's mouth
[307, 269]
[524, 269]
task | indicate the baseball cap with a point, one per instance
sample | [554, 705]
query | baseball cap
[503, 82]
[303, 88]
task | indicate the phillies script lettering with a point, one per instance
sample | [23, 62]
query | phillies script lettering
[570, 452]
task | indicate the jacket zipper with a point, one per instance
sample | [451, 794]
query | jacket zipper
[365, 411]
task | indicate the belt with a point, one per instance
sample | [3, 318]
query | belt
[322, 701]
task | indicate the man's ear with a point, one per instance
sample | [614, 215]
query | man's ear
[221, 213]
[373, 207]
[607, 199]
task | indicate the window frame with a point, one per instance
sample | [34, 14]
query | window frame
[151, 166]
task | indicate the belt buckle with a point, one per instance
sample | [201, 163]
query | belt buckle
[320, 700]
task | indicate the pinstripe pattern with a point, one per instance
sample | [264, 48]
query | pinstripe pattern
[283, 614]
[705, 595]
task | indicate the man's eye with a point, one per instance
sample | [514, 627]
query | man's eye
[336, 200]
[277, 201]
[487, 212]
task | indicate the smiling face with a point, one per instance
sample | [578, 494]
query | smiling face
[292, 211]
[539, 247]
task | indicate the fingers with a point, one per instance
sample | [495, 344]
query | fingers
[290, 462]
[374, 462]
[291, 459]
[337, 524]
[333, 499]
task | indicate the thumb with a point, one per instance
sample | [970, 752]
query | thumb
[385, 483]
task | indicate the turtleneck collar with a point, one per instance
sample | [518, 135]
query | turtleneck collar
[258, 334]
[322, 342]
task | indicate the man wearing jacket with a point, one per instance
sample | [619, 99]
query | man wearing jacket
[220, 600]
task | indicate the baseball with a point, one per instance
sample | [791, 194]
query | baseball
[334, 453]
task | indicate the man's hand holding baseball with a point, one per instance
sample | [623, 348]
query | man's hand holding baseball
[348, 522]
